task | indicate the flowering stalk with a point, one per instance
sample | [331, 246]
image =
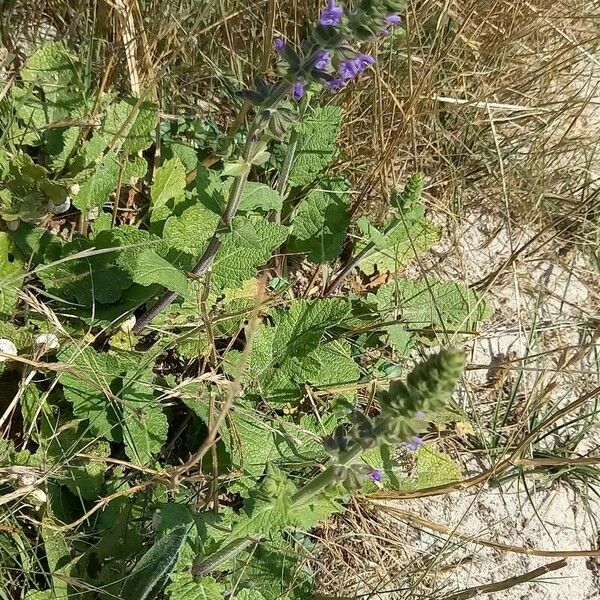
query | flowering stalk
[404, 407]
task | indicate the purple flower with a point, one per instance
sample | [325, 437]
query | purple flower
[298, 90]
[413, 445]
[323, 61]
[279, 44]
[348, 70]
[376, 475]
[364, 61]
[335, 85]
[394, 20]
[332, 15]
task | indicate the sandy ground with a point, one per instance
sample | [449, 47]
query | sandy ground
[543, 301]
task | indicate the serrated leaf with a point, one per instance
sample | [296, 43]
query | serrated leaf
[316, 511]
[432, 468]
[259, 196]
[435, 303]
[292, 354]
[191, 231]
[145, 430]
[145, 426]
[248, 594]
[152, 269]
[169, 183]
[11, 275]
[51, 66]
[318, 134]
[396, 245]
[262, 517]
[88, 389]
[59, 559]
[244, 250]
[97, 184]
[184, 587]
[320, 224]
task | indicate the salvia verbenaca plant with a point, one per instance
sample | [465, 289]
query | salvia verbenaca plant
[328, 57]
[404, 410]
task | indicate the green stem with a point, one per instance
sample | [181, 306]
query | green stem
[327, 478]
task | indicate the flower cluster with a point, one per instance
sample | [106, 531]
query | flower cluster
[328, 56]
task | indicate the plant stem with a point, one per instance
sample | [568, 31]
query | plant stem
[350, 266]
[230, 211]
[328, 477]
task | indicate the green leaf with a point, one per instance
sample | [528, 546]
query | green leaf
[317, 147]
[83, 477]
[191, 231]
[315, 511]
[52, 64]
[151, 268]
[97, 184]
[244, 250]
[431, 302]
[320, 224]
[249, 594]
[152, 571]
[88, 387]
[293, 353]
[169, 183]
[258, 196]
[184, 587]
[11, 275]
[404, 237]
[145, 426]
[145, 430]
[58, 554]
[432, 468]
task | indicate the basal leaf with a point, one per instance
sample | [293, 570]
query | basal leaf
[152, 571]
[97, 184]
[432, 468]
[431, 302]
[399, 242]
[191, 231]
[259, 196]
[184, 587]
[244, 250]
[169, 183]
[151, 268]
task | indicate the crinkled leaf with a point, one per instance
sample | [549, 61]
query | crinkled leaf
[245, 249]
[259, 196]
[191, 231]
[169, 183]
[431, 302]
[151, 573]
[432, 467]
[97, 184]
[184, 587]
[320, 224]
[396, 245]
[151, 268]
[317, 146]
